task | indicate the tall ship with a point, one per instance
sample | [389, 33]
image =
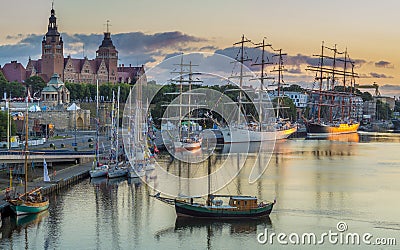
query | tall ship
[184, 135]
[269, 125]
[332, 107]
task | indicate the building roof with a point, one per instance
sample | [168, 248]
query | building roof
[55, 79]
[49, 89]
[14, 71]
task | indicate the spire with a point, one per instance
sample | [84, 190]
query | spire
[52, 27]
[107, 42]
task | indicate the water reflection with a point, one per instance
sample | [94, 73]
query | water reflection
[235, 226]
[19, 223]
[316, 183]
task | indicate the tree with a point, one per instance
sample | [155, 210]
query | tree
[383, 111]
[15, 89]
[36, 84]
[294, 88]
[3, 126]
[288, 110]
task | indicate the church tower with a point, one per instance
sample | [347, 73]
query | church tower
[109, 54]
[52, 50]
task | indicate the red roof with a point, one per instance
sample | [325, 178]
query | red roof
[14, 71]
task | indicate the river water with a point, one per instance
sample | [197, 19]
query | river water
[317, 184]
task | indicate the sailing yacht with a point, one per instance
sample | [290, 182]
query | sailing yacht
[98, 169]
[135, 137]
[118, 169]
[263, 129]
[30, 202]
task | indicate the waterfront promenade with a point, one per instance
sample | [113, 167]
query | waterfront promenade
[58, 180]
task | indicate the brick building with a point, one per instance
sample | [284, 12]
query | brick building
[103, 68]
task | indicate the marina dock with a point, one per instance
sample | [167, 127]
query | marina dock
[58, 181]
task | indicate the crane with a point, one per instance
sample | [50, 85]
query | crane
[371, 86]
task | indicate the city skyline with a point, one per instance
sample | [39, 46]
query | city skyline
[146, 32]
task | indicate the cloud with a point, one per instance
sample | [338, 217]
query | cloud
[375, 75]
[390, 90]
[384, 64]
[208, 48]
[295, 70]
[133, 47]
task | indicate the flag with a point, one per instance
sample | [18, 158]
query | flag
[28, 97]
[45, 171]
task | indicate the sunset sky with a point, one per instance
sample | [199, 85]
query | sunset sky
[145, 32]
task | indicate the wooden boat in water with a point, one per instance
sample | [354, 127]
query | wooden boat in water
[237, 207]
[30, 202]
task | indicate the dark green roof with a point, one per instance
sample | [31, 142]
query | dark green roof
[49, 89]
[55, 79]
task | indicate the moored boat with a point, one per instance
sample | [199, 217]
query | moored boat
[30, 203]
[321, 129]
[333, 107]
[99, 171]
[236, 207]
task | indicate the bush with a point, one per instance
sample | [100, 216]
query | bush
[75, 148]
[62, 145]
[52, 145]
[90, 139]
[90, 145]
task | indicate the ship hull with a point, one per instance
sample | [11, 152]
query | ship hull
[198, 211]
[24, 208]
[186, 146]
[396, 124]
[236, 135]
[120, 172]
[132, 173]
[318, 129]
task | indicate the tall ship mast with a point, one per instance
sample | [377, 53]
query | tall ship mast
[186, 138]
[265, 129]
[331, 104]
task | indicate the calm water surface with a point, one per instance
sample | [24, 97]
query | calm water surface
[317, 183]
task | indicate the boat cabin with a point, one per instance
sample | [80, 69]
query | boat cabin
[243, 202]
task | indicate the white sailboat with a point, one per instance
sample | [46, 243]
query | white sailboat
[98, 170]
[118, 168]
[135, 146]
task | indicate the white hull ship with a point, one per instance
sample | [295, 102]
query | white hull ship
[238, 135]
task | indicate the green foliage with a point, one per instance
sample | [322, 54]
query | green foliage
[383, 111]
[397, 106]
[36, 84]
[81, 91]
[294, 88]
[289, 110]
[15, 88]
[3, 126]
